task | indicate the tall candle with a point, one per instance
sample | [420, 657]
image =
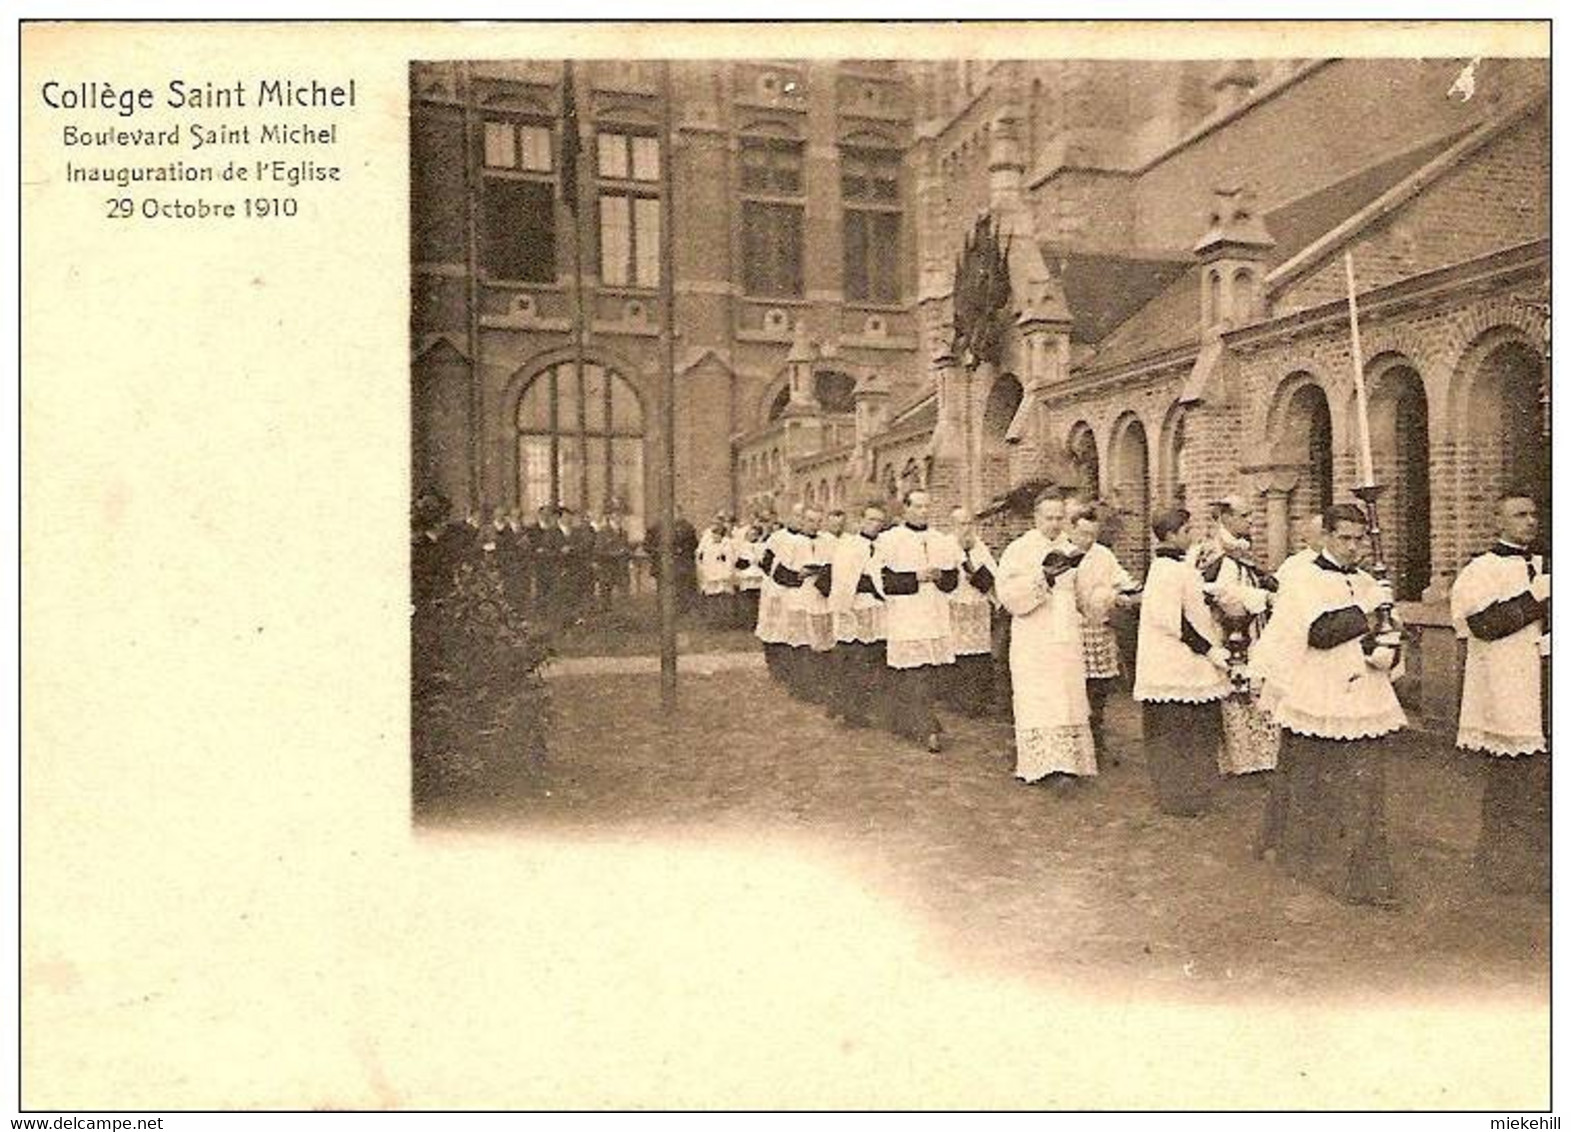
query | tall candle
[1366, 460]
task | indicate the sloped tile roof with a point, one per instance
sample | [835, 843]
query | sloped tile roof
[1171, 318]
[1102, 291]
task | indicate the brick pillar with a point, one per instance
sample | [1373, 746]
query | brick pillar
[948, 482]
[1445, 547]
[1279, 529]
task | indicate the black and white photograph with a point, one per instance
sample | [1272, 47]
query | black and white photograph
[848, 564]
[1102, 505]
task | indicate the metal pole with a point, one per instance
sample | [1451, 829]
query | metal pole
[472, 190]
[580, 329]
[667, 404]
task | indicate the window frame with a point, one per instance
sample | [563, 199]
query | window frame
[517, 173]
[772, 201]
[632, 189]
[870, 204]
[577, 434]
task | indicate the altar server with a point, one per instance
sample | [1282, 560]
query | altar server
[1326, 815]
[918, 569]
[1500, 607]
[857, 607]
[1180, 674]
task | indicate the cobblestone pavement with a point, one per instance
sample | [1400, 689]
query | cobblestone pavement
[1028, 880]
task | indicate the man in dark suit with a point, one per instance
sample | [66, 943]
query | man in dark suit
[578, 566]
[684, 554]
[612, 553]
[435, 549]
[545, 551]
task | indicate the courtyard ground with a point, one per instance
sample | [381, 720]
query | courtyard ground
[1022, 880]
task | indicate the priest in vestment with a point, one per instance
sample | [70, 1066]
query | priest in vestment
[918, 570]
[716, 571]
[970, 688]
[1239, 594]
[1326, 815]
[747, 540]
[817, 669]
[857, 607]
[771, 603]
[1101, 583]
[1262, 657]
[1180, 674]
[1036, 585]
[1500, 607]
[793, 573]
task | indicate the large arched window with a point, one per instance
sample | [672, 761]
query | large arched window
[581, 443]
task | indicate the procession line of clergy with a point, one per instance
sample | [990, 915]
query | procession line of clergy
[1237, 671]
[1306, 663]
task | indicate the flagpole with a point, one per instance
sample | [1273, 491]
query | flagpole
[667, 404]
[570, 138]
[472, 285]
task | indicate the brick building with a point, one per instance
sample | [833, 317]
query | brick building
[1176, 325]
[791, 184]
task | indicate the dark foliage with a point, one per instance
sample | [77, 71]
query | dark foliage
[481, 711]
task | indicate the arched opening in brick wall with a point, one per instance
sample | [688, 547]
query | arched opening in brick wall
[1243, 295]
[1399, 443]
[1082, 454]
[1507, 422]
[441, 426]
[1129, 491]
[1003, 402]
[1173, 465]
[1302, 441]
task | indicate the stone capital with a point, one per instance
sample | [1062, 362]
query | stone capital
[1274, 479]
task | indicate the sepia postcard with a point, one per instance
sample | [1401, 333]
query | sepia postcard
[843, 566]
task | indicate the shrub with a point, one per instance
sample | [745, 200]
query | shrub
[481, 712]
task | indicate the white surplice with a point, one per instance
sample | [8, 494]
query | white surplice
[1502, 693]
[858, 617]
[971, 609]
[917, 624]
[1099, 579]
[771, 603]
[715, 560]
[748, 553]
[1167, 670]
[1329, 693]
[1046, 666]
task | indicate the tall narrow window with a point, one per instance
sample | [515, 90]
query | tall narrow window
[629, 175]
[870, 200]
[518, 202]
[772, 202]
